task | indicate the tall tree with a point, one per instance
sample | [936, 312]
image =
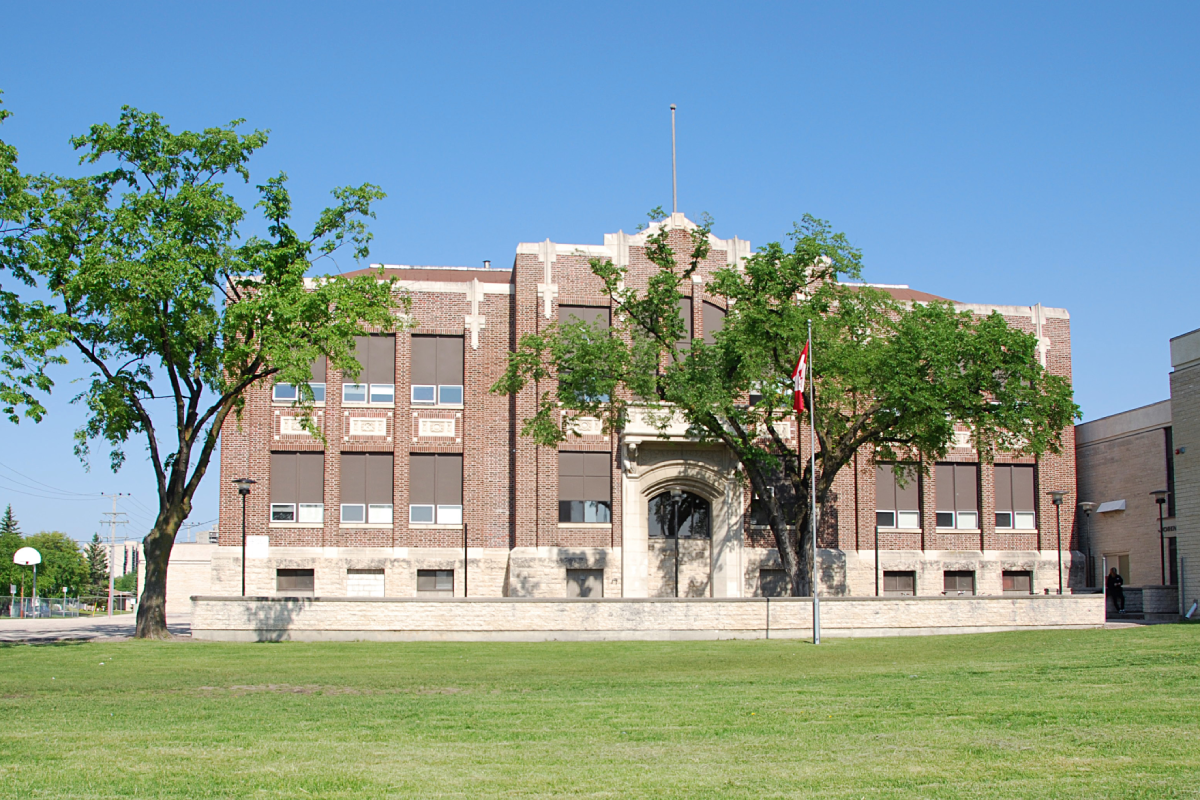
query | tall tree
[10, 543]
[142, 272]
[97, 561]
[891, 377]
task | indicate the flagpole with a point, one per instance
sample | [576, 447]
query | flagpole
[812, 491]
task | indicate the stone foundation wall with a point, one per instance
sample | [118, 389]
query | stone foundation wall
[533, 619]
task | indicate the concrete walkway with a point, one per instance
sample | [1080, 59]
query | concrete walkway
[101, 628]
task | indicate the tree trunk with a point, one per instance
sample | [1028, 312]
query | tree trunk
[152, 609]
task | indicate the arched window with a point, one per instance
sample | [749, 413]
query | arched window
[679, 514]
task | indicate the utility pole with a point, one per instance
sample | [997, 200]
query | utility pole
[113, 521]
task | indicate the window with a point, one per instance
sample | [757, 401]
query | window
[713, 319]
[958, 582]
[367, 488]
[376, 385]
[685, 311]
[1172, 561]
[435, 582]
[957, 496]
[437, 370]
[298, 487]
[773, 583]
[760, 516]
[288, 393]
[295, 582]
[676, 514]
[899, 583]
[585, 583]
[585, 487]
[897, 506]
[364, 583]
[595, 316]
[1017, 581]
[1014, 497]
[435, 489]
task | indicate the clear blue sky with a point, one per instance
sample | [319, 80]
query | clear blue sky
[1011, 153]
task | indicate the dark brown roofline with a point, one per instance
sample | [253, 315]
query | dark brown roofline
[445, 274]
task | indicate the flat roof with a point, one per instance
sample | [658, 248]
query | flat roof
[1126, 423]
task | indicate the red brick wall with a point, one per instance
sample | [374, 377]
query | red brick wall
[510, 485]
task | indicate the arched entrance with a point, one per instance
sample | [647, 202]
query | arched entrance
[680, 499]
[677, 515]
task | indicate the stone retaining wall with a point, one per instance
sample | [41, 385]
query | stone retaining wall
[535, 619]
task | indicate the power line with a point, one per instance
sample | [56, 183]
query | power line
[44, 486]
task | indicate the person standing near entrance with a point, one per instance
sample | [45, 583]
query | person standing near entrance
[1113, 584]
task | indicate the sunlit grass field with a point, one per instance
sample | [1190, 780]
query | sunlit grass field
[1095, 714]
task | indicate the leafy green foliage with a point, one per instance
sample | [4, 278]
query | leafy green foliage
[890, 376]
[142, 272]
[126, 583]
[62, 564]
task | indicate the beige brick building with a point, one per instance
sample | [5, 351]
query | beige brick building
[1185, 422]
[422, 465]
[1121, 459]
[1125, 457]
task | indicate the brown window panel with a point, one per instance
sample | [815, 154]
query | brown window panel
[713, 318]
[298, 477]
[435, 479]
[377, 356]
[367, 478]
[591, 315]
[437, 360]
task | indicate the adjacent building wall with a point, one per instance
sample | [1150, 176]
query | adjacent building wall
[1122, 459]
[1185, 413]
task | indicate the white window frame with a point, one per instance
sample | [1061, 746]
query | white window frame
[449, 515]
[379, 513]
[277, 398]
[373, 394]
[311, 513]
[961, 518]
[1030, 516]
[289, 508]
[318, 390]
[362, 513]
[356, 388]
[412, 513]
[444, 402]
[413, 394]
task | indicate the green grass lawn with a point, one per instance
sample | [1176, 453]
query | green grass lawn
[1094, 714]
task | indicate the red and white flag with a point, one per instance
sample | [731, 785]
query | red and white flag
[798, 378]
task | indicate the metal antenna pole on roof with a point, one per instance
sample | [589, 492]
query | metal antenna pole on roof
[674, 185]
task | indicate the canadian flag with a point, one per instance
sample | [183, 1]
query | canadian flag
[798, 377]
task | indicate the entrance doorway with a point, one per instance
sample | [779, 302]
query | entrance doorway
[678, 515]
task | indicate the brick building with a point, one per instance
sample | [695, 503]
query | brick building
[421, 460]
[1123, 460]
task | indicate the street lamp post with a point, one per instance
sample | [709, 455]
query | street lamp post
[675, 498]
[243, 486]
[1160, 497]
[1056, 497]
[1087, 509]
